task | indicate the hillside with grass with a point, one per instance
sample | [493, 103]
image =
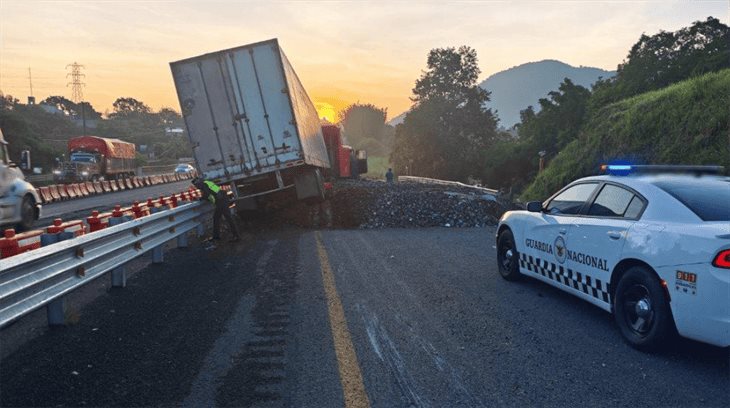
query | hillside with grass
[685, 123]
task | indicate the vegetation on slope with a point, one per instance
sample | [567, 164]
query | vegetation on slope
[685, 123]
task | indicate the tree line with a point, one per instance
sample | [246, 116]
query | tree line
[30, 127]
[448, 133]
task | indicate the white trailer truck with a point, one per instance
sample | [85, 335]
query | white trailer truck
[251, 123]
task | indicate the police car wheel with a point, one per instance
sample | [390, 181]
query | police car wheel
[27, 214]
[641, 309]
[507, 256]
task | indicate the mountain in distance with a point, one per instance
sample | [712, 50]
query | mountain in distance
[398, 119]
[515, 89]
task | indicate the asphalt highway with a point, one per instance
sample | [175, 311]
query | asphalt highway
[356, 318]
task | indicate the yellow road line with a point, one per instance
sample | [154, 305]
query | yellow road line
[350, 375]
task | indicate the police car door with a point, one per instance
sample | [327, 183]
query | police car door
[595, 243]
[547, 232]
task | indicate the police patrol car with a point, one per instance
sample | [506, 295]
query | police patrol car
[651, 244]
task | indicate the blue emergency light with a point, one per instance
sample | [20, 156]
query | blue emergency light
[626, 169]
[617, 169]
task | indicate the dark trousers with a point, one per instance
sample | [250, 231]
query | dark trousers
[221, 208]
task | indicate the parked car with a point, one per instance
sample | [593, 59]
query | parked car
[652, 247]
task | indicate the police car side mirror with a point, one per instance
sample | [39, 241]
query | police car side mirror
[534, 206]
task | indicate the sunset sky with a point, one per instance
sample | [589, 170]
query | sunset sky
[343, 51]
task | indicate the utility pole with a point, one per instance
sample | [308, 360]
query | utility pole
[542, 154]
[31, 98]
[77, 93]
[30, 79]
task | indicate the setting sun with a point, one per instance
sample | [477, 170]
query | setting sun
[326, 111]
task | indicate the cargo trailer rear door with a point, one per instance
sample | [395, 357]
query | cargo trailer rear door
[237, 111]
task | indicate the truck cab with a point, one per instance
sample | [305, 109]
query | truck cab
[82, 166]
[95, 158]
[19, 200]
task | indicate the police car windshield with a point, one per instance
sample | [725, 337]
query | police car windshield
[706, 197]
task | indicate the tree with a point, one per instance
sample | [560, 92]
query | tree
[448, 128]
[665, 58]
[559, 121]
[86, 109]
[451, 76]
[169, 117]
[71, 108]
[364, 126]
[62, 104]
[135, 122]
[27, 127]
[127, 106]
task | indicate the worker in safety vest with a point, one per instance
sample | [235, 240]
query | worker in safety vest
[216, 195]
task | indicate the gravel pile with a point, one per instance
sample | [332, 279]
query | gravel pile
[376, 204]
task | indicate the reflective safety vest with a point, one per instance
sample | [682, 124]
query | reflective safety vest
[213, 188]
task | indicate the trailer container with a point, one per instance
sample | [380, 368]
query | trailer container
[251, 122]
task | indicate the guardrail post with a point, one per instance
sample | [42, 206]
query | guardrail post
[119, 277]
[182, 240]
[56, 312]
[158, 254]
[200, 230]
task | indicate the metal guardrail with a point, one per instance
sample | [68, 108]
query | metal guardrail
[44, 276]
[447, 183]
[36, 178]
[157, 170]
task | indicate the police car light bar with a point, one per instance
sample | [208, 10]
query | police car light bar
[624, 169]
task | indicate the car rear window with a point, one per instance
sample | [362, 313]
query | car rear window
[708, 198]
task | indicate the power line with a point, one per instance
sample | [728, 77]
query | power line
[77, 93]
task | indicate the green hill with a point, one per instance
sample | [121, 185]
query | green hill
[685, 123]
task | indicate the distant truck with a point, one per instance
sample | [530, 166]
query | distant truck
[19, 200]
[251, 123]
[346, 162]
[92, 158]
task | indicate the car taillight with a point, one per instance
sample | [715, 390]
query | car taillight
[722, 260]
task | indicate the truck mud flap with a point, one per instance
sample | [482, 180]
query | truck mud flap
[309, 185]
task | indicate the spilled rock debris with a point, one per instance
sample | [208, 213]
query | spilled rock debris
[376, 204]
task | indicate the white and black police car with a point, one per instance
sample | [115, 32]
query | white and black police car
[651, 244]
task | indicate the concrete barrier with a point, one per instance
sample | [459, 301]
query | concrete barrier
[13, 244]
[90, 187]
[70, 191]
[45, 193]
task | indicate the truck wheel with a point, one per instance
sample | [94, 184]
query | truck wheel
[641, 310]
[507, 256]
[27, 214]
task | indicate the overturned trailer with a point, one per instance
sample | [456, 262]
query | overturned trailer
[251, 123]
